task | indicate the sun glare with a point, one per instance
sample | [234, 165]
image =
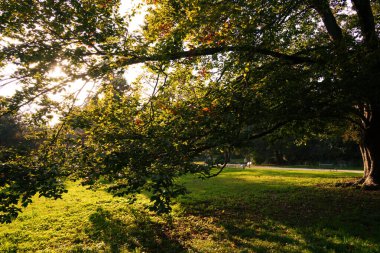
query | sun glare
[57, 73]
[78, 91]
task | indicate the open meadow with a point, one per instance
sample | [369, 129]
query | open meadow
[248, 210]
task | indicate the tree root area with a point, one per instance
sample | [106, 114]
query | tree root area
[359, 184]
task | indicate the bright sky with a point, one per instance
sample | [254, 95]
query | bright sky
[131, 73]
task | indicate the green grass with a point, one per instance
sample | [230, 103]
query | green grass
[238, 211]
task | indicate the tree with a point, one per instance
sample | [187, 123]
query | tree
[24, 167]
[324, 52]
[227, 72]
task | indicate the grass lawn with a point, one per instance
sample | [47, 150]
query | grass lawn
[239, 211]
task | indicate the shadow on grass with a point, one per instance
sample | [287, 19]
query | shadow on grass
[283, 217]
[232, 214]
[139, 233]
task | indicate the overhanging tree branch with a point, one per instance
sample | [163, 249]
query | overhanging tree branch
[294, 59]
[269, 130]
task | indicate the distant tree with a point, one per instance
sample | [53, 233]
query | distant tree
[314, 151]
[10, 131]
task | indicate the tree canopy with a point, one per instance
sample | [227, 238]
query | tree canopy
[222, 74]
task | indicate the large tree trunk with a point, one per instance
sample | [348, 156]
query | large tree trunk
[370, 148]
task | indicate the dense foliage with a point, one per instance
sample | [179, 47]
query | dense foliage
[223, 73]
[27, 166]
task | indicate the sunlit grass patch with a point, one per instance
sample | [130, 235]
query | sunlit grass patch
[239, 211]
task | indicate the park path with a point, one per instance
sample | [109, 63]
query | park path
[297, 168]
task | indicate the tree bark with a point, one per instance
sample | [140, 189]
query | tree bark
[370, 148]
[330, 22]
[367, 22]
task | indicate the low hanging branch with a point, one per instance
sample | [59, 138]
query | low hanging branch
[227, 157]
